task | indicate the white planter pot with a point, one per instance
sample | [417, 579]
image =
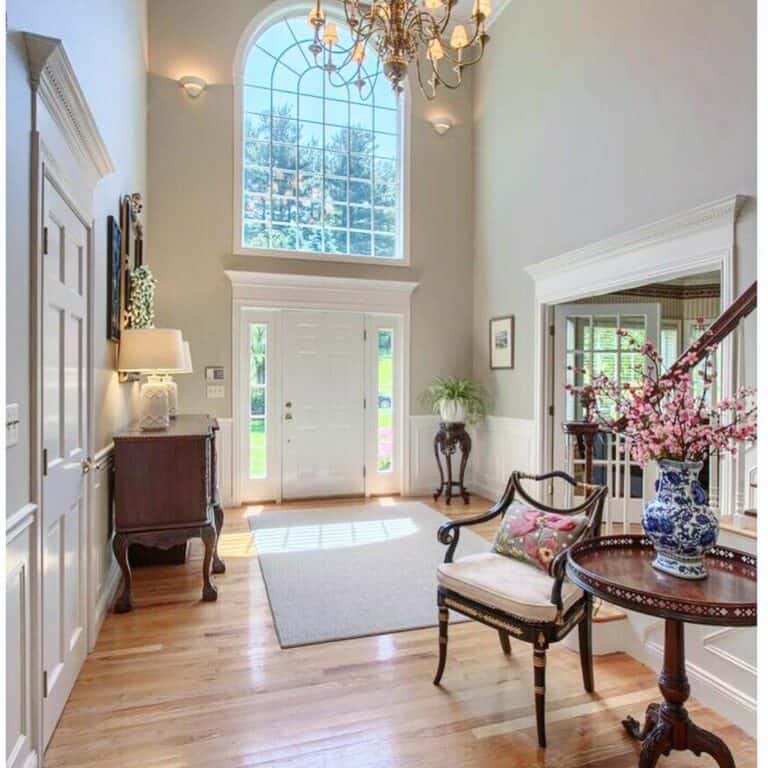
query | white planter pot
[452, 412]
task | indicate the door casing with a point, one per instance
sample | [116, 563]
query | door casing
[271, 487]
[269, 291]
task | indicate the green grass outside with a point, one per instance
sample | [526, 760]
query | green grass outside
[258, 452]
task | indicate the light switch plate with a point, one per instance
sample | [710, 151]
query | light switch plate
[215, 391]
[11, 424]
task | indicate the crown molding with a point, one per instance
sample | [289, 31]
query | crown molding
[720, 212]
[51, 76]
[681, 244]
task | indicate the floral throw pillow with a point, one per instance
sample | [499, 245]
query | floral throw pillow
[535, 536]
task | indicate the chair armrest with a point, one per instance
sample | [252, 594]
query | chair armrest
[448, 533]
[591, 530]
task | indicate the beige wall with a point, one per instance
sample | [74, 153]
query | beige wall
[595, 117]
[190, 212]
[106, 43]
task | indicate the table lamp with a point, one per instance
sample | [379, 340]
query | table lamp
[152, 351]
[167, 379]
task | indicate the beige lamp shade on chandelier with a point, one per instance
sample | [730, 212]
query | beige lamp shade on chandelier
[158, 352]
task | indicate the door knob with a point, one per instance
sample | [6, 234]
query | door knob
[289, 417]
[289, 404]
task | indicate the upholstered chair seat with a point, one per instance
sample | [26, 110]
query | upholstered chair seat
[507, 585]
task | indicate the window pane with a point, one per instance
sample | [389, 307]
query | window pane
[385, 402]
[360, 243]
[359, 217]
[385, 246]
[310, 148]
[635, 326]
[604, 332]
[258, 400]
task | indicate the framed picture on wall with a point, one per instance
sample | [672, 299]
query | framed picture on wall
[502, 342]
[114, 272]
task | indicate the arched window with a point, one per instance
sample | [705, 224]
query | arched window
[321, 163]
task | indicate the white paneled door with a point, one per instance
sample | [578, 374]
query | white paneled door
[65, 429]
[323, 403]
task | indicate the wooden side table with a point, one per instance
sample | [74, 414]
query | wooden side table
[448, 439]
[166, 492]
[618, 570]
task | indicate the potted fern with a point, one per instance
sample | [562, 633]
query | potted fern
[458, 401]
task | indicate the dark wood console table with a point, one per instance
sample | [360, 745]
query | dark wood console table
[448, 439]
[618, 570]
[166, 492]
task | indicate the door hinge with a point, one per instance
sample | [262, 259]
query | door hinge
[363, 470]
[365, 403]
[45, 462]
[551, 330]
[551, 410]
[365, 334]
[45, 684]
[45, 241]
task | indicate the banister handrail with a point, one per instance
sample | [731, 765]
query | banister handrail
[727, 322]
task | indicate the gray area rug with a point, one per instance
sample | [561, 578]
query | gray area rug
[354, 570]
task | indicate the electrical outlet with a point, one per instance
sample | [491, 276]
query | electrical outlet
[11, 424]
[215, 391]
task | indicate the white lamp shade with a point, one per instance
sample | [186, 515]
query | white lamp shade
[151, 350]
[187, 359]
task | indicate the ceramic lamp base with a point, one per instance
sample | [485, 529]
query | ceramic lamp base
[154, 406]
[689, 568]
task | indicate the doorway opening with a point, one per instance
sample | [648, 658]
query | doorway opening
[672, 315]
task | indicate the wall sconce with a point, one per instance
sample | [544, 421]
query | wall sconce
[441, 125]
[193, 86]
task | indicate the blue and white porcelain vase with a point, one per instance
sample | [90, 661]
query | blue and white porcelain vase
[678, 521]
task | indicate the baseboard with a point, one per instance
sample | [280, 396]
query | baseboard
[107, 595]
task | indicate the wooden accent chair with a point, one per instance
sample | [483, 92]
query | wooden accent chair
[517, 598]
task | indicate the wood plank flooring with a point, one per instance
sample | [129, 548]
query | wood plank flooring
[180, 683]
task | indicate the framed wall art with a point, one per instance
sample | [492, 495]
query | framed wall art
[502, 342]
[114, 278]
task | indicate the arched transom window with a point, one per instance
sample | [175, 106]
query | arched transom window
[321, 164]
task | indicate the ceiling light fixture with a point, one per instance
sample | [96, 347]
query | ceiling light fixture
[400, 32]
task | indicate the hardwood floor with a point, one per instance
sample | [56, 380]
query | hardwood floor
[182, 683]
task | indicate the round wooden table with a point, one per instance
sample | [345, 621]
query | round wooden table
[618, 570]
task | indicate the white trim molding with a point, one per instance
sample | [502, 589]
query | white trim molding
[52, 76]
[269, 290]
[677, 246]
[701, 239]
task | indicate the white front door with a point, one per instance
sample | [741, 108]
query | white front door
[65, 429]
[323, 403]
[586, 340]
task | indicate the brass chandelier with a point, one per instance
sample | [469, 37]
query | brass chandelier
[399, 31]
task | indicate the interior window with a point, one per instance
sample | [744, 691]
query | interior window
[321, 161]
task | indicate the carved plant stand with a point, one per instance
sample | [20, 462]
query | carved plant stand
[448, 439]
[618, 569]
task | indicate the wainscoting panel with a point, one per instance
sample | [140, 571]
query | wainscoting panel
[18, 638]
[105, 576]
[224, 466]
[423, 470]
[500, 446]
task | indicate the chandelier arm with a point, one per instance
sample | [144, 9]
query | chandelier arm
[427, 95]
